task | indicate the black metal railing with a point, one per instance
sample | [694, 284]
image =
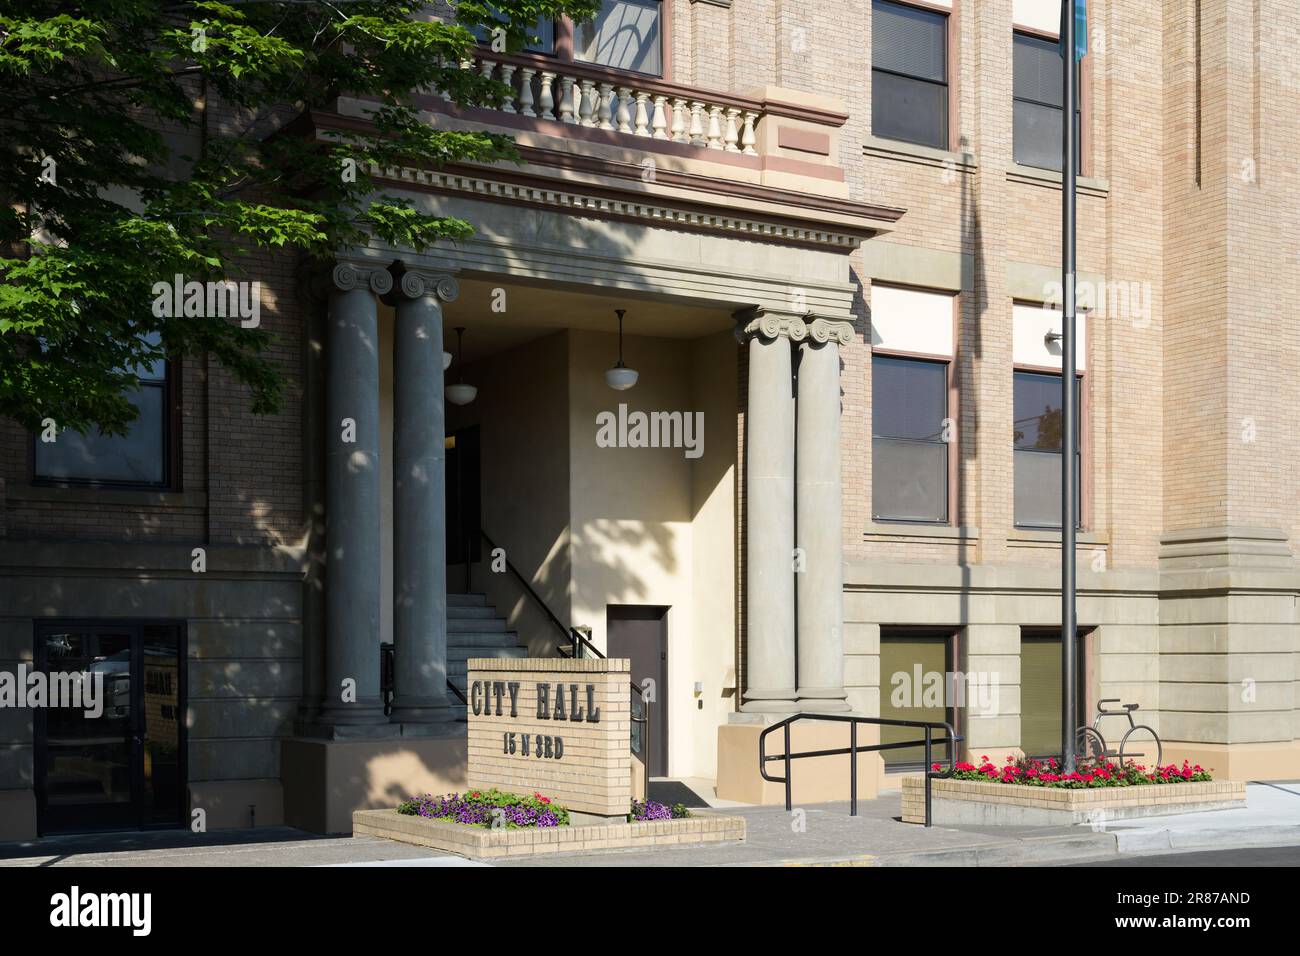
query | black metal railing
[566, 632]
[583, 647]
[853, 750]
[386, 658]
[580, 644]
[576, 645]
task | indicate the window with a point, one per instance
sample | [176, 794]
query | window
[543, 29]
[1040, 691]
[624, 35]
[909, 456]
[1038, 449]
[909, 74]
[138, 458]
[914, 685]
[1039, 102]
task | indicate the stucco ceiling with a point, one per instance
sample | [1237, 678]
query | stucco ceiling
[535, 311]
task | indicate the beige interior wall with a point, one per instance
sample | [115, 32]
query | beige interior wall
[713, 505]
[652, 527]
[524, 461]
[590, 526]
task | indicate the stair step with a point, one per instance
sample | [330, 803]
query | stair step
[476, 625]
[466, 600]
[482, 639]
[469, 612]
[500, 653]
[497, 653]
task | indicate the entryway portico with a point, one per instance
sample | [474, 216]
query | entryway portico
[776, 280]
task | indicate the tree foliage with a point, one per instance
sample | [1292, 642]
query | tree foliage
[100, 202]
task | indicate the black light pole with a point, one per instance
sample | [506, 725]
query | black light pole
[1069, 411]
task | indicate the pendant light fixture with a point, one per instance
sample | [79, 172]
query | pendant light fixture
[620, 377]
[460, 393]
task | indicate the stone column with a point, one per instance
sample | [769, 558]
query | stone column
[818, 491]
[312, 288]
[350, 696]
[769, 511]
[419, 502]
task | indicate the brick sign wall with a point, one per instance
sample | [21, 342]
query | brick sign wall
[556, 727]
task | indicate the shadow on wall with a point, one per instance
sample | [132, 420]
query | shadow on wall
[587, 525]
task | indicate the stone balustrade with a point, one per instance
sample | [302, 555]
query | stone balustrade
[582, 95]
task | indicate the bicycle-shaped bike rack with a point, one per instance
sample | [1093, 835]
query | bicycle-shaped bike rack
[1090, 744]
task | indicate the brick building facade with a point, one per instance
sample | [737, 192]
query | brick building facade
[798, 205]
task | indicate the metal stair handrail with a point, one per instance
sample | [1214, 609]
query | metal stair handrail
[853, 750]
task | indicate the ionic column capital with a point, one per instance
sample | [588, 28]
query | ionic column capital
[349, 275]
[759, 322]
[823, 331]
[417, 283]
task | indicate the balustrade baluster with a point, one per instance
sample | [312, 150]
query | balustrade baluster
[547, 101]
[526, 91]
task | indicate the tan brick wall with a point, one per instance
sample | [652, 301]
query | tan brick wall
[594, 773]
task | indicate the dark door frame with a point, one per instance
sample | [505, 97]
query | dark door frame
[40, 728]
[659, 729]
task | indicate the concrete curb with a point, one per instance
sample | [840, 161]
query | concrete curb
[1163, 840]
[1081, 848]
[1032, 851]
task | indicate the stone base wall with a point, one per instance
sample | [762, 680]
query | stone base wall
[480, 842]
[975, 803]
[243, 635]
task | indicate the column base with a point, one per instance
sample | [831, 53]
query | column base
[326, 780]
[421, 710]
[770, 702]
[812, 702]
[814, 779]
[348, 721]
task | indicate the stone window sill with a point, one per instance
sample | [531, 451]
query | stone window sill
[1031, 536]
[912, 152]
[133, 497]
[1089, 185]
[889, 529]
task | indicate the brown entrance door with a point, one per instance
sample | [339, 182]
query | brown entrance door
[640, 633]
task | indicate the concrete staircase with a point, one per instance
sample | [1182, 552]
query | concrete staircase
[475, 630]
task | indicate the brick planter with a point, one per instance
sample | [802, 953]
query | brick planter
[478, 842]
[976, 803]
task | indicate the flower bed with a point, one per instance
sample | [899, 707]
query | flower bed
[1091, 774]
[654, 810]
[483, 808]
[1029, 792]
[480, 841]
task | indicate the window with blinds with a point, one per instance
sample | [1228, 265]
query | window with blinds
[909, 457]
[624, 35]
[1038, 90]
[909, 74]
[1038, 449]
[543, 30]
[910, 666]
[1040, 692]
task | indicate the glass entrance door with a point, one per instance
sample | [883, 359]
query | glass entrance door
[112, 756]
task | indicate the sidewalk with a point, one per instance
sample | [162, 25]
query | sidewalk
[1271, 817]
[818, 835]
